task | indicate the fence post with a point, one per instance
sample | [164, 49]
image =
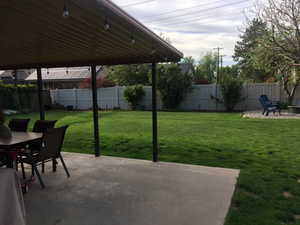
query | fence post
[247, 97]
[56, 95]
[116, 103]
[215, 90]
[76, 98]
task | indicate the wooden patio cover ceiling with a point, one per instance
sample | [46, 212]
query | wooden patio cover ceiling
[35, 34]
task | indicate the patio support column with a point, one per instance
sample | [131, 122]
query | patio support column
[95, 111]
[16, 78]
[40, 93]
[154, 114]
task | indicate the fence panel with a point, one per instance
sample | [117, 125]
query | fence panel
[200, 98]
[107, 98]
[254, 91]
[84, 99]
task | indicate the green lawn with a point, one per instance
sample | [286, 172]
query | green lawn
[266, 151]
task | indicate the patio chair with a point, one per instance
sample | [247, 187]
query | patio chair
[52, 144]
[268, 106]
[19, 125]
[40, 126]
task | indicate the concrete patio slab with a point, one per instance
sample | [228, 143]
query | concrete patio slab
[118, 191]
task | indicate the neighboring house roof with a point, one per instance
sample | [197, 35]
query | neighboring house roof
[186, 67]
[5, 75]
[9, 74]
[64, 74]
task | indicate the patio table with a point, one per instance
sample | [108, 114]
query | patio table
[18, 139]
[11, 199]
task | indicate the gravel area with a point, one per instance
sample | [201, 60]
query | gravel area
[258, 114]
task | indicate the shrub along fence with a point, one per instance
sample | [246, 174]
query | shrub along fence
[199, 99]
[22, 98]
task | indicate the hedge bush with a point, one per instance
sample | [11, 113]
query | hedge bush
[173, 85]
[133, 95]
[16, 98]
[231, 88]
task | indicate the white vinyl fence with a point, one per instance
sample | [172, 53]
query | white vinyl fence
[199, 99]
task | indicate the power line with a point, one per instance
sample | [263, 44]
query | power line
[200, 11]
[176, 10]
[196, 19]
[137, 3]
[206, 21]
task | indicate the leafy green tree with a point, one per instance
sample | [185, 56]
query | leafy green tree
[206, 69]
[127, 75]
[283, 18]
[232, 71]
[189, 59]
[244, 50]
[279, 48]
[268, 57]
[173, 85]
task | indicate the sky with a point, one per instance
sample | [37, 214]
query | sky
[193, 26]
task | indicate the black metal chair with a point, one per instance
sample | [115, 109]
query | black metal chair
[52, 144]
[18, 124]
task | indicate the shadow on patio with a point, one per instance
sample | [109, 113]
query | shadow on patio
[118, 191]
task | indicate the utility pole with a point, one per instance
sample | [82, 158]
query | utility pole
[221, 72]
[218, 73]
[218, 63]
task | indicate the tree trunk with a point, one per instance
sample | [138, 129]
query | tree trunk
[290, 91]
[290, 100]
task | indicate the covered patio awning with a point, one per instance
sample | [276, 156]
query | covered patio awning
[70, 33]
[36, 34]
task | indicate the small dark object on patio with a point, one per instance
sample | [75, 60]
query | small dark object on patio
[53, 140]
[268, 106]
[19, 125]
[70, 108]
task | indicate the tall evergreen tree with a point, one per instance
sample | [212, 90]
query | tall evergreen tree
[243, 51]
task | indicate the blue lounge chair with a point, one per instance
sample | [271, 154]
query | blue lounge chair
[268, 106]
